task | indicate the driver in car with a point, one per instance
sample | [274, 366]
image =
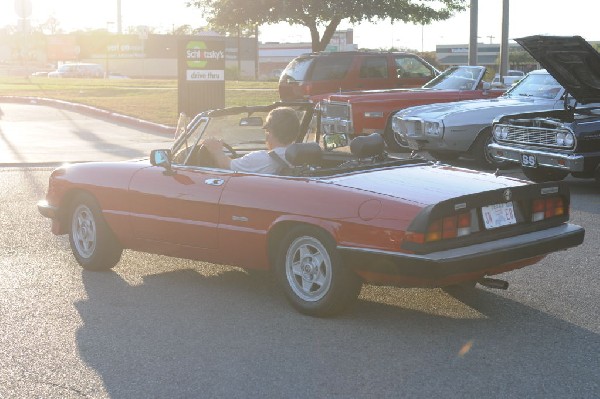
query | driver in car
[281, 129]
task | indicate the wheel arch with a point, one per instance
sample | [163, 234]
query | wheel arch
[66, 207]
[280, 228]
[479, 134]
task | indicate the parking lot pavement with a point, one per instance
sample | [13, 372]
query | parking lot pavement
[39, 135]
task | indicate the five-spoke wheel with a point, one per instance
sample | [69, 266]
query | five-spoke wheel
[92, 242]
[312, 274]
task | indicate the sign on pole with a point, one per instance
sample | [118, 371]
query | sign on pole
[201, 74]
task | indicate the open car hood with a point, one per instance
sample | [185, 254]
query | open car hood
[573, 62]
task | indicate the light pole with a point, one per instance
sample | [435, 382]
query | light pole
[108, 23]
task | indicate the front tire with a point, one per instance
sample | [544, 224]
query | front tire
[482, 155]
[394, 142]
[92, 242]
[312, 275]
[542, 174]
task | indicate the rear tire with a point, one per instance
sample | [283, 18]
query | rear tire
[312, 275]
[92, 242]
[542, 174]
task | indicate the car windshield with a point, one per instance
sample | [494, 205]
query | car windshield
[240, 129]
[457, 78]
[297, 69]
[536, 85]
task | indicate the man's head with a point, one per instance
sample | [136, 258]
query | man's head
[283, 124]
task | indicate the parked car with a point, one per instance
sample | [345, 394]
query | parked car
[319, 73]
[464, 128]
[512, 76]
[342, 214]
[366, 112]
[78, 70]
[550, 145]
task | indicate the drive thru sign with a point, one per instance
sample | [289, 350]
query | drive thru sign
[201, 66]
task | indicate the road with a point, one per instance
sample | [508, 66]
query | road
[166, 328]
[35, 134]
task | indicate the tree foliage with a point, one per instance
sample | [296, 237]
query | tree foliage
[232, 15]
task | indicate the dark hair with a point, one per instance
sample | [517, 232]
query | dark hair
[283, 123]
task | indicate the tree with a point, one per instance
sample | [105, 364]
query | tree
[230, 15]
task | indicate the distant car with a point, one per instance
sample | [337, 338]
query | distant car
[320, 73]
[116, 75]
[550, 145]
[78, 70]
[40, 74]
[339, 215]
[364, 112]
[464, 128]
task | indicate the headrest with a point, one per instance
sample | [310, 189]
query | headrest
[304, 154]
[367, 146]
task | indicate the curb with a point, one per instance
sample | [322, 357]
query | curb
[89, 110]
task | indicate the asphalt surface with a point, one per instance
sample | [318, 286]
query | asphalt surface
[33, 134]
[158, 327]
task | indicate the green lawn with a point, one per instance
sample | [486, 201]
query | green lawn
[152, 100]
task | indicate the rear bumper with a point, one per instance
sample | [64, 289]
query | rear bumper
[446, 267]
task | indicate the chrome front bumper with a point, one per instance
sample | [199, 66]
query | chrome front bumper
[566, 162]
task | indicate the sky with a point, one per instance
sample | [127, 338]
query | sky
[527, 17]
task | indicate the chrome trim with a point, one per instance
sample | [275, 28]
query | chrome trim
[573, 162]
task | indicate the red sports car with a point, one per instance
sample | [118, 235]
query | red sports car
[340, 215]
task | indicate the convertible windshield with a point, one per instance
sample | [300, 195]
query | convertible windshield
[457, 78]
[537, 85]
[240, 131]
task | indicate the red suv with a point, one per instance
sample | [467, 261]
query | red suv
[319, 73]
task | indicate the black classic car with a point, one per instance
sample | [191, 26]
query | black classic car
[552, 144]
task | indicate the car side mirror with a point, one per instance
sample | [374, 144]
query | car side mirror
[162, 158]
[486, 85]
[333, 141]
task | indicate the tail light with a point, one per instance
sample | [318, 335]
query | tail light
[443, 229]
[546, 208]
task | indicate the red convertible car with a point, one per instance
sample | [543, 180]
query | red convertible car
[339, 215]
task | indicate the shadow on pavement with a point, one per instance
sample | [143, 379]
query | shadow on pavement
[231, 335]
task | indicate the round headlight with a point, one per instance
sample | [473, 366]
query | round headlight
[569, 140]
[497, 132]
[504, 132]
[560, 138]
[396, 124]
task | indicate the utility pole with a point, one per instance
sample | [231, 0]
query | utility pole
[119, 23]
[473, 33]
[504, 43]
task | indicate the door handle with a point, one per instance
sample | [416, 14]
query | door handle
[214, 182]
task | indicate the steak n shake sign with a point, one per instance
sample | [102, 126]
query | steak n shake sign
[201, 74]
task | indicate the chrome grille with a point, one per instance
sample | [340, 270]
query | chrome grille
[531, 135]
[409, 127]
[336, 110]
[336, 118]
[537, 136]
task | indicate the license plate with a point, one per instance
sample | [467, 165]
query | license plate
[498, 215]
[528, 160]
